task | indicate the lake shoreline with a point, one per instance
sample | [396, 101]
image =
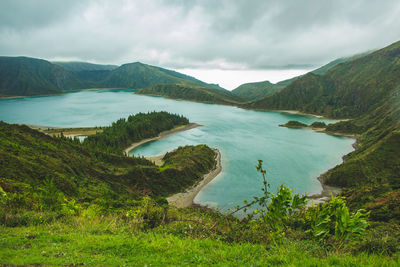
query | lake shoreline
[329, 191]
[161, 135]
[185, 199]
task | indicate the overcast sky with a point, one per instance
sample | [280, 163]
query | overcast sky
[234, 35]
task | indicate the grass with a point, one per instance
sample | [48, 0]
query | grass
[105, 241]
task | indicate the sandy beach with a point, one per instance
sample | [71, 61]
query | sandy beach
[162, 135]
[185, 199]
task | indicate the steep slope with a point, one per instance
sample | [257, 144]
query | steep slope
[258, 90]
[347, 90]
[138, 75]
[325, 68]
[23, 76]
[193, 93]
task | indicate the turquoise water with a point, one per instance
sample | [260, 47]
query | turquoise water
[295, 157]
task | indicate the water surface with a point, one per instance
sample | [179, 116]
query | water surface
[295, 157]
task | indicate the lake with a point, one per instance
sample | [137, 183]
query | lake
[295, 157]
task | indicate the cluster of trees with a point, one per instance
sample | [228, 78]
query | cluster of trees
[124, 132]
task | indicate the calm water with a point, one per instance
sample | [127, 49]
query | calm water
[295, 157]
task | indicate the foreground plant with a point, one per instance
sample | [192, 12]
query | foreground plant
[327, 221]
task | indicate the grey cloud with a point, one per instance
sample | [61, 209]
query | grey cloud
[253, 34]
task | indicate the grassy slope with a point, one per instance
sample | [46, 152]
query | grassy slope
[91, 242]
[193, 93]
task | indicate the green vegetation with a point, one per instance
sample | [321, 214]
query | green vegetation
[297, 124]
[318, 124]
[150, 232]
[294, 124]
[38, 171]
[193, 93]
[325, 68]
[124, 132]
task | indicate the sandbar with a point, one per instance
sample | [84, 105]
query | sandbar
[185, 199]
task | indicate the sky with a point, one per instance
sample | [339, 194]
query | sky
[226, 41]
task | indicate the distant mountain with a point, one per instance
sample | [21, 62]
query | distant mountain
[138, 75]
[24, 76]
[192, 93]
[252, 91]
[257, 90]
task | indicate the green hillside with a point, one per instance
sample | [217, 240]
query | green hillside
[192, 93]
[325, 68]
[23, 76]
[258, 90]
[30, 160]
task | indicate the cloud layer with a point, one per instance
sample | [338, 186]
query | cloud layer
[230, 34]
